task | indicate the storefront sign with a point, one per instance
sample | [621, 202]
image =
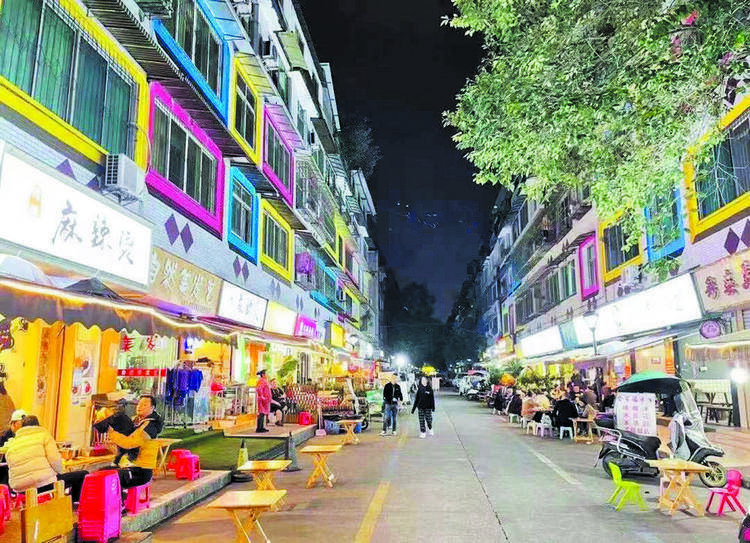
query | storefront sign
[279, 319]
[636, 412]
[726, 283]
[142, 372]
[669, 303]
[336, 335]
[179, 282]
[241, 306]
[306, 327]
[48, 215]
[544, 342]
[710, 329]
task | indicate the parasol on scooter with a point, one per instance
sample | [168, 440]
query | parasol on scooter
[689, 439]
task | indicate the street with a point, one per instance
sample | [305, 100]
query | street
[477, 479]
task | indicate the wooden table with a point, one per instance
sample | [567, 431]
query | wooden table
[250, 503]
[680, 473]
[350, 438]
[84, 462]
[263, 472]
[162, 453]
[320, 455]
[589, 437]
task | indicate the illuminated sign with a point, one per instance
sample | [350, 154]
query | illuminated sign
[279, 319]
[179, 282]
[726, 283]
[669, 303]
[306, 327]
[336, 335]
[48, 215]
[241, 306]
[544, 342]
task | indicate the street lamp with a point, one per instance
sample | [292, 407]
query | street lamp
[401, 360]
[591, 319]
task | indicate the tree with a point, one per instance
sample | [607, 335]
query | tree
[358, 146]
[605, 94]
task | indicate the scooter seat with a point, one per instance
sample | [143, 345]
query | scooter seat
[649, 443]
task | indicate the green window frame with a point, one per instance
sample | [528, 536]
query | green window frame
[614, 240]
[244, 112]
[275, 241]
[183, 160]
[45, 53]
[568, 280]
[278, 156]
[242, 213]
[552, 290]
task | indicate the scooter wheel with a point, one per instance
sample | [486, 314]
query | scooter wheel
[717, 477]
[609, 457]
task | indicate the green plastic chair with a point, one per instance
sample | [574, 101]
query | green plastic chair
[631, 492]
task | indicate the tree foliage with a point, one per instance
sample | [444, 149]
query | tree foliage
[358, 146]
[609, 94]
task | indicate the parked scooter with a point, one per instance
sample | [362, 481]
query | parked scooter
[744, 536]
[631, 451]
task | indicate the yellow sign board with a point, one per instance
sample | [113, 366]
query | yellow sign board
[336, 335]
[179, 282]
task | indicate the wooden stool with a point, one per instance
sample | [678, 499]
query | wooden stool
[253, 503]
[350, 438]
[320, 454]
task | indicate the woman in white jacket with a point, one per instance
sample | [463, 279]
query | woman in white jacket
[34, 461]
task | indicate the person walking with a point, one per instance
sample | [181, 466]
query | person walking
[263, 392]
[425, 402]
[391, 397]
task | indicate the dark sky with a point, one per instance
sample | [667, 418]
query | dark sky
[394, 64]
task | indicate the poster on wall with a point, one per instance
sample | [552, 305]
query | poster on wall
[84, 372]
[636, 412]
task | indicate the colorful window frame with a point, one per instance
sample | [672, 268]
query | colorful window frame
[673, 247]
[219, 103]
[614, 273]
[287, 193]
[285, 272]
[702, 227]
[253, 152]
[587, 291]
[17, 100]
[165, 190]
[239, 245]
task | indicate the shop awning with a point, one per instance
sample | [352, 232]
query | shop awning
[285, 126]
[32, 302]
[290, 44]
[253, 68]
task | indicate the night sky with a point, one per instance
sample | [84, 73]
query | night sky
[394, 64]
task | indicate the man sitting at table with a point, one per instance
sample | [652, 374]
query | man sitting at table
[148, 426]
[34, 461]
[115, 419]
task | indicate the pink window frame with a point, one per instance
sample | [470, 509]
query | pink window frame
[286, 193]
[588, 292]
[165, 190]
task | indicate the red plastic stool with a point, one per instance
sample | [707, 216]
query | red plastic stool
[174, 456]
[4, 507]
[18, 499]
[138, 499]
[304, 418]
[188, 467]
[100, 508]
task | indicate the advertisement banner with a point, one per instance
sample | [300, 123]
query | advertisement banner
[636, 412]
[306, 327]
[336, 335]
[279, 319]
[240, 305]
[726, 283]
[179, 282]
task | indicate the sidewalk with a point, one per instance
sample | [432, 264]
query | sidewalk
[736, 445]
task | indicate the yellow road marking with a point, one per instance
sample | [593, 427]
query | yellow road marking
[367, 528]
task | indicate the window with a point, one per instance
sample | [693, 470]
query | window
[302, 122]
[348, 304]
[727, 177]
[551, 290]
[193, 33]
[244, 112]
[277, 156]
[275, 241]
[43, 52]
[614, 239]
[329, 286]
[568, 280]
[242, 213]
[350, 261]
[666, 221]
[182, 160]
[250, 24]
[589, 266]
[281, 80]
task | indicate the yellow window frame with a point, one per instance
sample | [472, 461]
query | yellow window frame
[285, 272]
[253, 154]
[697, 225]
[615, 273]
[16, 99]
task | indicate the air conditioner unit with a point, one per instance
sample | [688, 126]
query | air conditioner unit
[631, 276]
[123, 177]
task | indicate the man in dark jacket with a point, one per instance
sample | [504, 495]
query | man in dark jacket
[391, 397]
[563, 412]
[425, 402]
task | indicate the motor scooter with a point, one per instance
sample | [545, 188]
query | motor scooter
[744, 536]
[630, 451]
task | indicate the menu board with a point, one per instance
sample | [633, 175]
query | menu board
[636, 412]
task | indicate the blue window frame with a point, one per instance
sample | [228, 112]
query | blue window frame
[208, 63]
[242, 217]
[657, 246]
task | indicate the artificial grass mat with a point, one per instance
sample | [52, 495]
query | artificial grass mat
[220, 453]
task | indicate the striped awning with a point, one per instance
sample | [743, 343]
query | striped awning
[252, 67]
[290, 44]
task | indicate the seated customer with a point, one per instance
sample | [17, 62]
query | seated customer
[563, 412]
[148, 425]
[15, 423]
[34, 461]
[278, 402]
[528, 407]
[514, 404]
[117, 420]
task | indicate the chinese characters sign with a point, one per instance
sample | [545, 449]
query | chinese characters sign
[279, 319]
[239, 305]
[48, 215]
[725, 283]
[336, 335]
[306, 327]
[636, 412]
[181, 283]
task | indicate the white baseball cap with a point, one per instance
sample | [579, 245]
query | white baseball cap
[17, 415]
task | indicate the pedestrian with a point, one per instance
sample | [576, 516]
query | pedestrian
[498, 403]
[392, 396]
[263, 391]
[425, 402]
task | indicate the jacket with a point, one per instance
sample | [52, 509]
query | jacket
[425, 399]
[264, 396]
[142, 439]
[33, 459]
[564, 411]
[392, 393]
[514, 406]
